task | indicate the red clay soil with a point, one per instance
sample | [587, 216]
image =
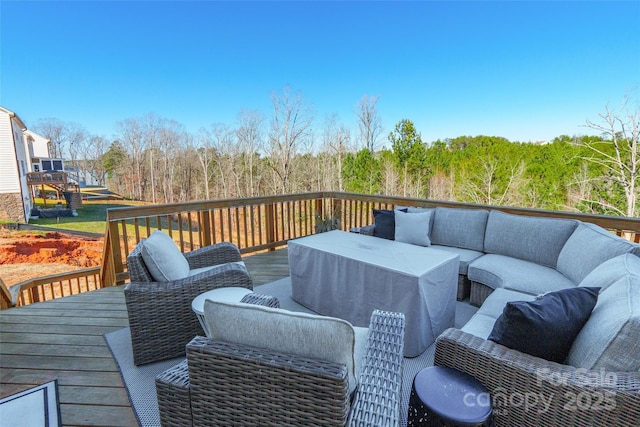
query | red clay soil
[26, 255]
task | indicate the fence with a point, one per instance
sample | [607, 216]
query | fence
[254, 224]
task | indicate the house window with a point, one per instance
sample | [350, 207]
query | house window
[46, 165]
[57, 165]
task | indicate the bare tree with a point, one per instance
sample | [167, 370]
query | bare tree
[93, 158]
[618, 154]
[55, 131]
[441, 186]
[484, 187]
[290, 128]
[172, 145]
[250, 140]
[206, 156]
[369, 121]
[335, 143]
[131, 135]
[76, 137]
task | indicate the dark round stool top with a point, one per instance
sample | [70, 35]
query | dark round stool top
[453, 395]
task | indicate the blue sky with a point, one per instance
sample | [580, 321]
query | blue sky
[526, 71]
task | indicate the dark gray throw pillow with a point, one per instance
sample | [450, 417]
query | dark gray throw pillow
[385, 223]
[547, 326]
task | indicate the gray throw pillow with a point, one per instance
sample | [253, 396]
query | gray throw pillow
[413, 227]
[163, 259]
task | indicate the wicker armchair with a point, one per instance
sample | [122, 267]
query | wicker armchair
[530, 391]
[160, 315]
[230, 384]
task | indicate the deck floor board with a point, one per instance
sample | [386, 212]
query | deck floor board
[63, 339]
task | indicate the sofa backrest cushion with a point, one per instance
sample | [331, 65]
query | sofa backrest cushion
[413, 228]
[547, 326]
[612, 270]
[610, 340]
[462, 228]
[163, 259]
[589, 246]
[529, 238]
[275, 329]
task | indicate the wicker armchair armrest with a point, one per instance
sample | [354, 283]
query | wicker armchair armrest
[367, 230]
[377, 398]
[528, 390]
[219, 276]
[233, 384]
[219, 253]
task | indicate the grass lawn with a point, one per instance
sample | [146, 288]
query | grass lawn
[91, 217]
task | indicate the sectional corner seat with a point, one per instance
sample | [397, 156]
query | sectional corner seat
[521, 258]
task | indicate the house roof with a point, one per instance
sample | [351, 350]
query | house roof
[14, 116]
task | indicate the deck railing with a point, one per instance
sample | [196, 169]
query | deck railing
[254, 224]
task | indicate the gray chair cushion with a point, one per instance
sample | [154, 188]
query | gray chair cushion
[499, 271]
[534, 239]
[611, 271]
[462, 228]
[481, 324]
[610, 340]
[302, 334]
[466, 256]
[163, 259]
[588, 247]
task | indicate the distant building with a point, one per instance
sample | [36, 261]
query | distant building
[15, 197]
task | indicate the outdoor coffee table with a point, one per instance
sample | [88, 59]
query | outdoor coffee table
[348, 275]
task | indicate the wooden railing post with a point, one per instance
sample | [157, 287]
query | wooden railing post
[205, 228]
[5, 296]
[270, 219]
[115, 265]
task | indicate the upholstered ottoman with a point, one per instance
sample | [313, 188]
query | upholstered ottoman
[442, 396]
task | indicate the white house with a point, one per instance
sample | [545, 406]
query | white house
[15, 198]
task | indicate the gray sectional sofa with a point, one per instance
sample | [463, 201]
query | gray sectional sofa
[509, 258]
[528, 254]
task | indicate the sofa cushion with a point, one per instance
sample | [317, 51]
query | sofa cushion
[302, 334]
[481, 323]
[534, 239]
[611, 271]
[462, 228]
[610, 340]
[385, 223]
[163, 259]
[589, 246]
[413, 227]
[547, 326]
[466, 256]
[499, 271]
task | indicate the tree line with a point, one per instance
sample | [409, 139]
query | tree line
[157, 160]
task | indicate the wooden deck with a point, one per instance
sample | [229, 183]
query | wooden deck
[63, 339]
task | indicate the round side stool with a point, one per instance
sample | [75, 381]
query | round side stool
[445, 397]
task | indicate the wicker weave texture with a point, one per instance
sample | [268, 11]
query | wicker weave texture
[479, 293]
[377, 399]
[240, 385]
[174, 399]
[259, 299]
[160, 315]
[518, 382]
[464, 287]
